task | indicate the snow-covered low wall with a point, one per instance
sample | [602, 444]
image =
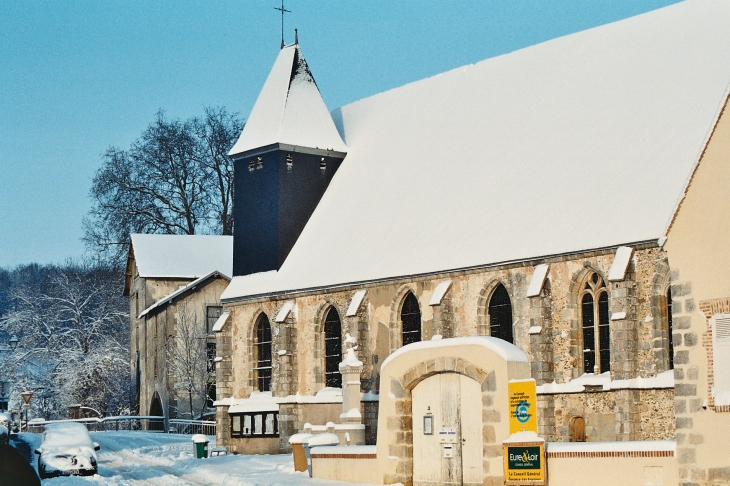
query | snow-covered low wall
[636, 463]
[356, 464]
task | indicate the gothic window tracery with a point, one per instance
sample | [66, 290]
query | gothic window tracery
[596, 326]
[500, 314]
[411, 319]
[333, 348]
[262, 349]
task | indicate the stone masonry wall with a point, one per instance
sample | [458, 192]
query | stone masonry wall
[555, 351]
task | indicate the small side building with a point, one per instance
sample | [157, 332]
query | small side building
[174, 284]
[700, 290]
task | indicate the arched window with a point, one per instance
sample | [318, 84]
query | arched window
[500, 314]
[262, 348]
[670, 349]
[596, 327]
[410, 316]
[332, 348]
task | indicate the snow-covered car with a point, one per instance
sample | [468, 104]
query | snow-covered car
[66, 449]
[6, 421]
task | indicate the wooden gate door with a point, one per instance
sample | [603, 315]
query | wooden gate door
[447, 431]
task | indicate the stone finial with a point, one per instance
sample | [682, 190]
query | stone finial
[350, 368]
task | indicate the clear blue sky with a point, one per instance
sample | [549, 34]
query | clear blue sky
[79, 76]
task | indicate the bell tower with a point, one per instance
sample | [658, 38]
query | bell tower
[284, 160]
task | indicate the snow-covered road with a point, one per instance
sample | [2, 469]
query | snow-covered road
[141, 458]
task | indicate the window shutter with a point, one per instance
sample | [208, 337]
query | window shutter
[721, 358]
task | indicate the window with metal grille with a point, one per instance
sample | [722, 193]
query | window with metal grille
[333, 348]
[210, 394]
[256, 424]
[210, 355]
[262, 347]
[410, 316]
[212, 313]
[670, 341]
[500, 314]
[596, 326]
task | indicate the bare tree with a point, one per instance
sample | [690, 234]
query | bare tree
[187, 360]
[216, 133]
[176, 178]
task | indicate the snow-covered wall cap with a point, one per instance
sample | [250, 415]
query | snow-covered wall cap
[439, 292]
[661, 381]
[537, 280]
[284, 311]
[325, 395]
[507, 351]
[620, 263]
[218, 326]
[257, 402]
[289, 110]
[355, 303]
[182, 256]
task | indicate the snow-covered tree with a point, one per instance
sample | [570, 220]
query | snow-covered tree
[72, 326]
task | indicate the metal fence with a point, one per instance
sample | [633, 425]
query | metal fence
[179, 426]
[148, 423]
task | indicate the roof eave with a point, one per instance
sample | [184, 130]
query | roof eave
[288, 148]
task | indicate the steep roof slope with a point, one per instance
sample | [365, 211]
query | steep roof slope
[580, 142]
[289, 110]
[182, 256]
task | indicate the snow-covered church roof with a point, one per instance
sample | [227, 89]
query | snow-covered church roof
[289, 111]
[182, 256]
[578, 143]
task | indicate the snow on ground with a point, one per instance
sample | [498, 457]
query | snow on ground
[143, 458]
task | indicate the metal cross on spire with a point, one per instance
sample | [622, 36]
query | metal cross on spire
[282, 10]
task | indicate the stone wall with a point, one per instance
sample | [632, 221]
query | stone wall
[555, 350]
[610, 415]
[151, 336]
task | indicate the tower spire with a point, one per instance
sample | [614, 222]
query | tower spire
[282, 10]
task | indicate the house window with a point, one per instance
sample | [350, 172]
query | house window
[410, 316]
[500, 314]
[212, 313]
[670, 347]
[333, 348]
[596, 328]
[262, 348]
[255, 424]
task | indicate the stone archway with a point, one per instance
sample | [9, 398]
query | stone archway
[156, 410]
[475, 369]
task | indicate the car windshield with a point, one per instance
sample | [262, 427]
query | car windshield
[63, 435]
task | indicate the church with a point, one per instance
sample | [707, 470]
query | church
[527, 197]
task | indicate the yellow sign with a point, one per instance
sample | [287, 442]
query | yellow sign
[522, 406]
[525, 463]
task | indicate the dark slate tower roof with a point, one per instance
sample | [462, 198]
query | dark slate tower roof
[289, 113]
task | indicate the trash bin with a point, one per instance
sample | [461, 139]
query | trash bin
[200, 445]
[297, 449]
[317, 441]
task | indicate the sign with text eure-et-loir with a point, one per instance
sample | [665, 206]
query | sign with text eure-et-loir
[524, 464]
